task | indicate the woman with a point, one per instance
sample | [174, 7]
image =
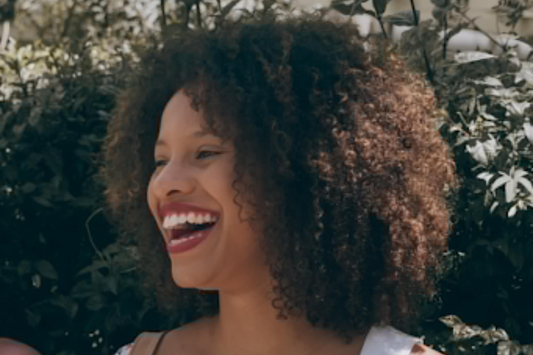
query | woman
[286, 191]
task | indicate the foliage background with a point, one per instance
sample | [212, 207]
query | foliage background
[67, 288]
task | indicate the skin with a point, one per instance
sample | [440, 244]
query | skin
[198, 170]
[12, 347]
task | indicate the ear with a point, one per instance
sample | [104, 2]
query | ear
[421, 349]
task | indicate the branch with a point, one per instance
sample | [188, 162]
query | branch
[187, 17]
[355, 4]
[413, 9]
[89, 234]
[5, 36]
[163, 16]
[446, 39]
[380, 19]
[68, 20]
[429, 72]
[198, 14]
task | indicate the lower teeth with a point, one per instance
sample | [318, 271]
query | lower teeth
[183, 240]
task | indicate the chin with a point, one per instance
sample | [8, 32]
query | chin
[188, 279]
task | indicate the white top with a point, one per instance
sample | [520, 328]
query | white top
[387, 340]
[382, 340]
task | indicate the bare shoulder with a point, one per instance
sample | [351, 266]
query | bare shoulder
[12, 347]
[421, 349]
[192, 338]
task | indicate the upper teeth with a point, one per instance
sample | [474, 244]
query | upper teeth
[177, 220]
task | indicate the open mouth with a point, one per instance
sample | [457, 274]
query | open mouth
[186, 225]
[187, 230]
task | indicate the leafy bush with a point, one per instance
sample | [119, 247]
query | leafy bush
[489, 103]
[70, 289]
[487, 110]
[54, 108]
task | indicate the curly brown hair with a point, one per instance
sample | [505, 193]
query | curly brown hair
[336, 152]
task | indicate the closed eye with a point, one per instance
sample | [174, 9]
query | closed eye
[159, 163]
[207, 154]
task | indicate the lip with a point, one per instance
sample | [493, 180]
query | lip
[188, 245]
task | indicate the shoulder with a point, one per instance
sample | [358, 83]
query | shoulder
[12, 347]
[125, 350]
[421, 349]
[387, 340]
[188, 338]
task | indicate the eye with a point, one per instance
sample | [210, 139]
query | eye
[159, 163]
[207, 154]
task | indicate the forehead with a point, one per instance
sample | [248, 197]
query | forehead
[179, 116]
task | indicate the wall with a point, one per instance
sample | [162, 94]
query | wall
[480, 9]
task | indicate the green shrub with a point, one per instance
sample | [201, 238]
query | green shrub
[487, 106]
[69, 289]
[66, 287]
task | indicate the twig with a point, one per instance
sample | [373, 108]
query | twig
[445, 42]
[413, 9]
[68, 20]
[89, 234]
[354, 6]
[380, 19]
[5, 36]
[198, 14]
[187, 16]
[163, 16]
[382, 27]
[429, 72]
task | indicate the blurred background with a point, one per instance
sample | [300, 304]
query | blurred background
[67, 287]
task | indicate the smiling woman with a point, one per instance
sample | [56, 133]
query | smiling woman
[280, 186]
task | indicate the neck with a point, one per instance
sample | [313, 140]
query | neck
[247, 324]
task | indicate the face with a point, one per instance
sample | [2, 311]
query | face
[191, 198]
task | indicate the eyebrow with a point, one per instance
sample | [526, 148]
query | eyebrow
[198, 134]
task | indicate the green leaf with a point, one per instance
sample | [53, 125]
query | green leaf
[96, 302]
[502, 180]
[43, 201]
[33, 318]
[28, 187]
[493, 207]
[226, 9]
[67, 304]
[96, 265]
[35, 116]
[451, 320]
[73, 310]
[510, 190]
[46, 269]
[485, 176]
[112, 284]
[512, 211]
[527, 184]
[82, 290]
[351, 8]
[24, 268]
[403, 18]
[380, 6]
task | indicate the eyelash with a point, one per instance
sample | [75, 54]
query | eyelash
[159, 163]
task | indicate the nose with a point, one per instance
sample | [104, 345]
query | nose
[170, 180]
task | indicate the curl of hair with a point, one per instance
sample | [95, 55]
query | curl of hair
[356, 212]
